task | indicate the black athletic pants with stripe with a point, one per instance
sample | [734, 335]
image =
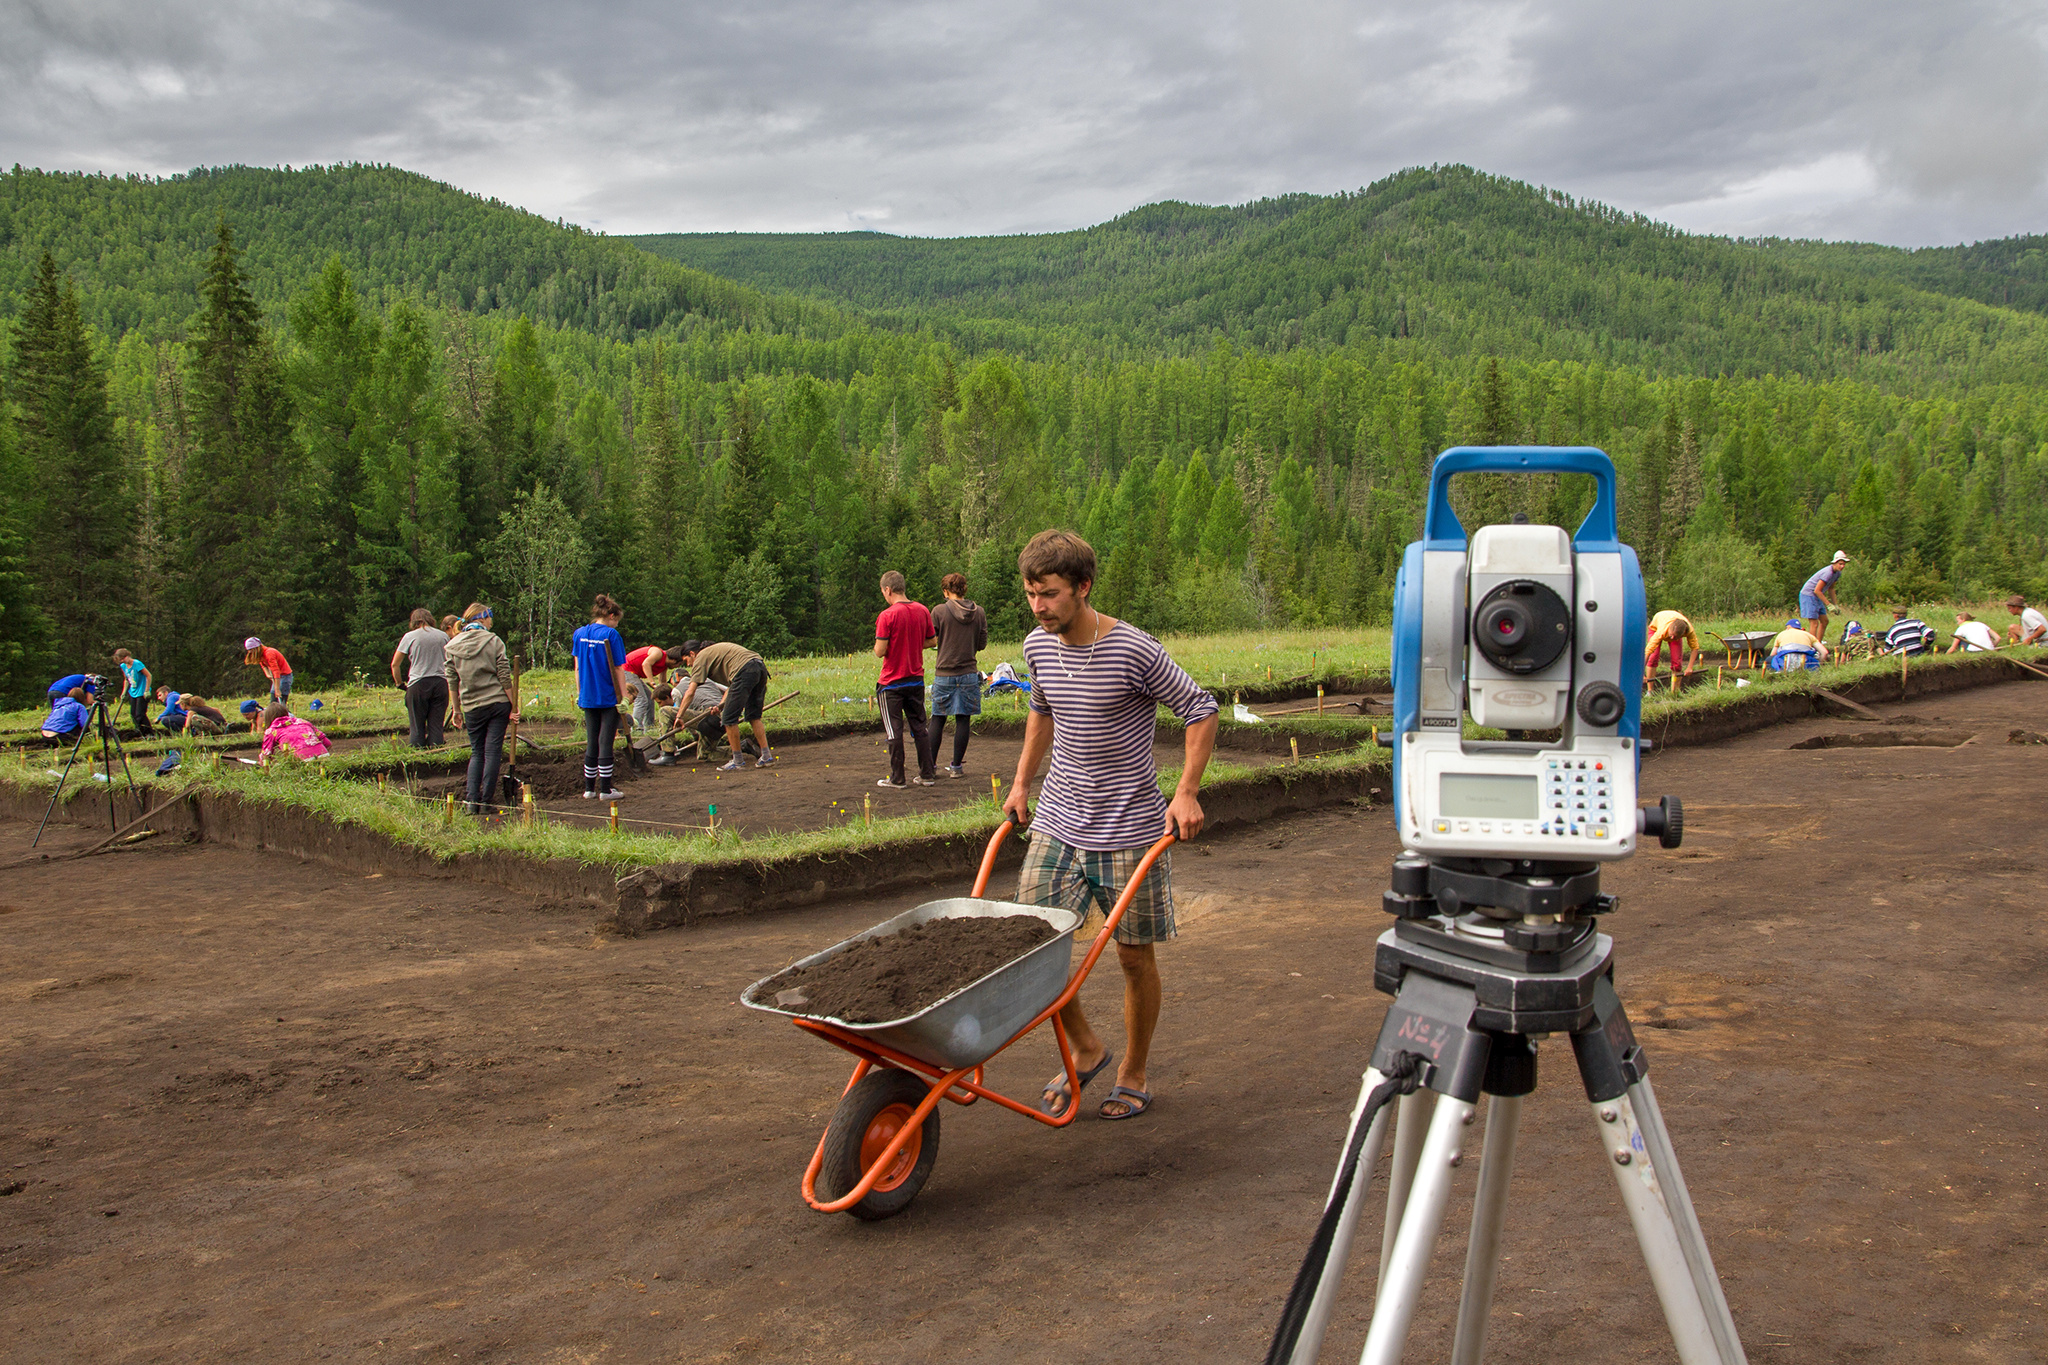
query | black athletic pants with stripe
[903, 709]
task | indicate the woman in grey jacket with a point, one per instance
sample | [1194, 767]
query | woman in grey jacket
[479, 675]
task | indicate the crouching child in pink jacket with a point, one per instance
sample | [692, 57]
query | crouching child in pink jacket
[301, 737]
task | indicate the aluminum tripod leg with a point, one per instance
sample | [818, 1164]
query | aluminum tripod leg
[1421, 1221]
[1489, 1213]
[1411, 1126]
[1646, 1171]
[1310, 1343]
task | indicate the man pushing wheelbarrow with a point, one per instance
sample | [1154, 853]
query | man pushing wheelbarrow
[1100, 838]
[1096, 685]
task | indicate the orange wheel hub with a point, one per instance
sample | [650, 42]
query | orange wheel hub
[882, 1130]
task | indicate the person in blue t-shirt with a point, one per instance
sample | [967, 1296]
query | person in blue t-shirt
[1817, 597]
[77, 682]
[600, 681]
[136, 673]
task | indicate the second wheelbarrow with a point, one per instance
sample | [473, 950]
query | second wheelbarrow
[883, 1139]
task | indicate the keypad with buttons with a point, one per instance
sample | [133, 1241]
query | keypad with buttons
[1578, 799]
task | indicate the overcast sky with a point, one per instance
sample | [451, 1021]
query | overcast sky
[1884, 120]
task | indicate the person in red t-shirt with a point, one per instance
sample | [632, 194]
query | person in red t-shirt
[646, 667]
[275, 667]
[902, 634]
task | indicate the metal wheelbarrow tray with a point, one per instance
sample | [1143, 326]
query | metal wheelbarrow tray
[972, 1024]
[884, 1135]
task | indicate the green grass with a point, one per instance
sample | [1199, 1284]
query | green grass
[326, 788]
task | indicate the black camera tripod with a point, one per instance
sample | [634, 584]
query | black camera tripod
[1472, 992]
[98, 719]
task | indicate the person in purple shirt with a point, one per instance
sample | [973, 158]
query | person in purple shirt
[1817, 597]
[1097, 684]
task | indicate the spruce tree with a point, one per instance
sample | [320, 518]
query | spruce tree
[81, 504]
[236, 532]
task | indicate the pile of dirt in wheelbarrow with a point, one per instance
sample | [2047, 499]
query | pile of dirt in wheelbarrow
[880, 979]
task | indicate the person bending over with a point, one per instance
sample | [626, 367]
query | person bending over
[88, 691]
[275, 666]
[744, 675]
[1972, 636]
[1908, 635]
[187, 713]
[300, 738]
[66, 723]
[962, 628]
[1673, 629]
[903, 631]
[1817, 595]
[646, 668]
[1096, 685]
[2030, 629]
[600, 685]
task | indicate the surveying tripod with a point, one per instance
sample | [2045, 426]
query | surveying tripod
[100, 720]
[1472, 992]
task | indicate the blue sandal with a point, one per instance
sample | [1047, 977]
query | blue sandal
[1056, 1088]
[1135, 1102]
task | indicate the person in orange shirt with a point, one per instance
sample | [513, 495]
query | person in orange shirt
[275, 666]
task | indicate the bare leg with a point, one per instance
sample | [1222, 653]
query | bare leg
[1089, 1049]
[1817, 627]
[1141, 1011]
[761, 735]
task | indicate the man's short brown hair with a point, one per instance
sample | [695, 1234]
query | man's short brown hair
[893, 581]
[955, 583]
[1058, 552]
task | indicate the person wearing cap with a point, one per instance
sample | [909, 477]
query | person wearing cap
[1817, 597]
[275, 666]
[1795, 647]
[2030, 629]
[1972, 636]
[252, 711]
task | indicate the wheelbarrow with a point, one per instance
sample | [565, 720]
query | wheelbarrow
[883, 1139]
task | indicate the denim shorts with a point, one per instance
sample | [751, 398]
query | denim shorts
[1811, 607]
[959, 695]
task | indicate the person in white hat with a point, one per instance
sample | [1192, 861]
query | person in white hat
[1817, 598]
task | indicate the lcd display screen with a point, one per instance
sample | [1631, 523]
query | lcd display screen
[1488, 796]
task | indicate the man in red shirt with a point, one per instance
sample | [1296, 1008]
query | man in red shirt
[646, 668]
[902, 634]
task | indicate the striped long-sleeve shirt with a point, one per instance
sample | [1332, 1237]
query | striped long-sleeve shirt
[1102, 791]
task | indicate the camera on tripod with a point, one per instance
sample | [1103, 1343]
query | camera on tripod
[1536, 632]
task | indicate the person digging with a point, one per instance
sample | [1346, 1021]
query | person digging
[1096, 685]
[744, 675]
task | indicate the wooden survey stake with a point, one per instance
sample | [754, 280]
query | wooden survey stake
[512, 758]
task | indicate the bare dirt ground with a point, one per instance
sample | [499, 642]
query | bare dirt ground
[811, 786]
[259, 1110]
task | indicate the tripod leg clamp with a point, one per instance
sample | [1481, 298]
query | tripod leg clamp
[1610, 1060]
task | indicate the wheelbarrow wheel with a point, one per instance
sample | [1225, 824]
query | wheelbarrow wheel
[868, 1116]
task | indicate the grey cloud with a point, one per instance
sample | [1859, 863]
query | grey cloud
[1891, 121]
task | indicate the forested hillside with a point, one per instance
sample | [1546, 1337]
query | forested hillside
[2011, 272]
[136, 246]
[1453, 261]
[198, 445]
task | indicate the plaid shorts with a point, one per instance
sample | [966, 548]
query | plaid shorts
[1081, 879]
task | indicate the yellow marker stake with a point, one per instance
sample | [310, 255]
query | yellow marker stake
[995, 789]
[1269, 672]
[449, 819]
[1319, 699]
[526, 804]
[867, 810]
[615, 817]
[380, 782]
[1294, 747]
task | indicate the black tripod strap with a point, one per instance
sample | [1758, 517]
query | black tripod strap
[1404, 1077]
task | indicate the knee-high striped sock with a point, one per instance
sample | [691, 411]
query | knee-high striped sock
[589, 778]
[604, 777]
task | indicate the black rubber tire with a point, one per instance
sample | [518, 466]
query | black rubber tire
[878, 1091]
